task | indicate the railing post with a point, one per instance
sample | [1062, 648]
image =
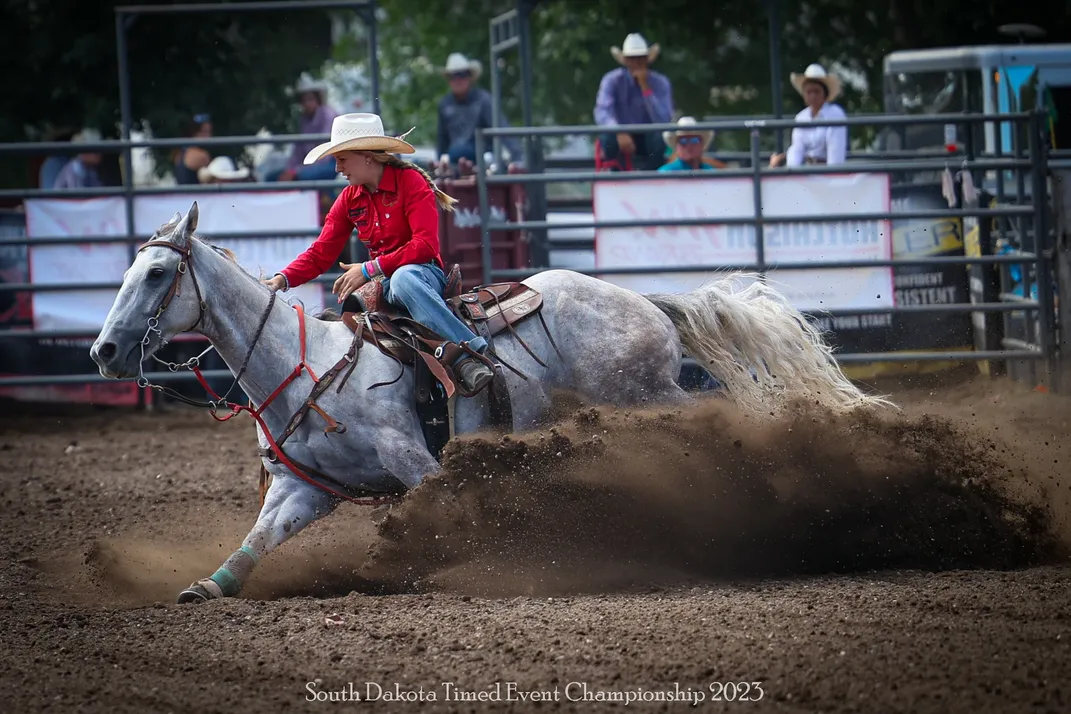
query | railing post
[1042, 245]
[774, 10]
[368, 14]
[122, 22]
[756, 172]
[485, 211]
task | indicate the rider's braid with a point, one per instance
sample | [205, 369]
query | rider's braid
[445, 200]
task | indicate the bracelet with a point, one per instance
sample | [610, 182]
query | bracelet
[364, 271]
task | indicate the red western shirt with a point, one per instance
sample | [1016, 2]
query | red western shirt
[398, 223]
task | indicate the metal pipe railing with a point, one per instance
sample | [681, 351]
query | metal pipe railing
[757, 172]
[912, 162]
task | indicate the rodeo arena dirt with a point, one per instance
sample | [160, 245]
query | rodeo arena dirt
[907, 562]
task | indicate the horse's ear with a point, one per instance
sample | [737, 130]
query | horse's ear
[175, 219]
[191, 220]
[186, 227]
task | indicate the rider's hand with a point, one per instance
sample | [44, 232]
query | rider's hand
[350, 281]
[275, 284]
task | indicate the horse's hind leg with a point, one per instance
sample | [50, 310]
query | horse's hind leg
[289, 506]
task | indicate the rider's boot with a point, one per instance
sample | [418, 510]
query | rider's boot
[470, 371]
[474, 374]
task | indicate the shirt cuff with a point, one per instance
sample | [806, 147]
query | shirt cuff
[286, 281]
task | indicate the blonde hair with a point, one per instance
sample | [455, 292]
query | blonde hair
[446, 201]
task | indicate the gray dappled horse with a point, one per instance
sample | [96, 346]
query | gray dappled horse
[617, 348]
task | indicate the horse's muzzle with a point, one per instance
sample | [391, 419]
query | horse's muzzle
[115, 361]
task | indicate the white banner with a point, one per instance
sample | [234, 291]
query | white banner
[280, 211]
[80, 263]
[231, 213]
[727, 245]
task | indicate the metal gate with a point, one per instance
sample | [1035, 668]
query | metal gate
[1009, 307]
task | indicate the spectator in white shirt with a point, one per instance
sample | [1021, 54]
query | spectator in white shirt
[820, 144]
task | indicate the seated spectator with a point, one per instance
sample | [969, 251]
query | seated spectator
[191, 159]
[633, 94]
[81, 171]
[462, 111]
[688, 147]
[316, 118]
[53, 164]
[222, 169]
[817, 145]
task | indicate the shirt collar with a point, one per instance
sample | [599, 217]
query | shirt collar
[387, 182]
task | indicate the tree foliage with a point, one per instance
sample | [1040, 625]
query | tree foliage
[716, 46]
[61, 62]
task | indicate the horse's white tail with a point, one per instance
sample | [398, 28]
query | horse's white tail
[760, 347]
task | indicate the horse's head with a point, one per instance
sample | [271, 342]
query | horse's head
[159, 298]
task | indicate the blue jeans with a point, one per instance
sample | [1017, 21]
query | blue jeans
[463, 149]
[419, 289]
[320, 171]
[323, 170]
[650, 150]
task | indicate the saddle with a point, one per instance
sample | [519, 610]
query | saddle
[487, 310]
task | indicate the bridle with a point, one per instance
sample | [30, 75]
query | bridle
[220, 403]
[153, 325]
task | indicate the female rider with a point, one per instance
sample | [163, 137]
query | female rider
[393, 204]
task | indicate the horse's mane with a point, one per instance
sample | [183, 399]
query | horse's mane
[166, 230]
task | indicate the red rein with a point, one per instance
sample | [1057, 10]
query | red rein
[256, 414]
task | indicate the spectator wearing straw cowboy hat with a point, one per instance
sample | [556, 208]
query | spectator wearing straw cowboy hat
[316, 118]
[634, 94]
[463, 110]
[688, 146]
[394, 205]
[820, 144]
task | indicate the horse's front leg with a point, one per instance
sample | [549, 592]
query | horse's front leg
[405, 455]
[289, 505]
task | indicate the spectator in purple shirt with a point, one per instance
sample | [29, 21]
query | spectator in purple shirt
[316, 118]
[634, 94]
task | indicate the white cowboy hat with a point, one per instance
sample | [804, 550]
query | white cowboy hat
[86, 136]
[222, 168]
[308, 84]
[817, 73]
[635, 46]
[670, 137]
[359, 132]
[458, 62]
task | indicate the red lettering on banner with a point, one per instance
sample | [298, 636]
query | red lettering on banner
[707, 233]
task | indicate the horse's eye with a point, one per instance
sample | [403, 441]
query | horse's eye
[155, 273]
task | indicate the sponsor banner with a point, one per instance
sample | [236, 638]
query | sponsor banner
[735, 245]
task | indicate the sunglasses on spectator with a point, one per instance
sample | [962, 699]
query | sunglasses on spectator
[690, 140]
[460, 75]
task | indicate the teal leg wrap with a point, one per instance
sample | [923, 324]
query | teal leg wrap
[235, 570]
[226, 581]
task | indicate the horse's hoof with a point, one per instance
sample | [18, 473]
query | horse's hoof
[194, 594]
